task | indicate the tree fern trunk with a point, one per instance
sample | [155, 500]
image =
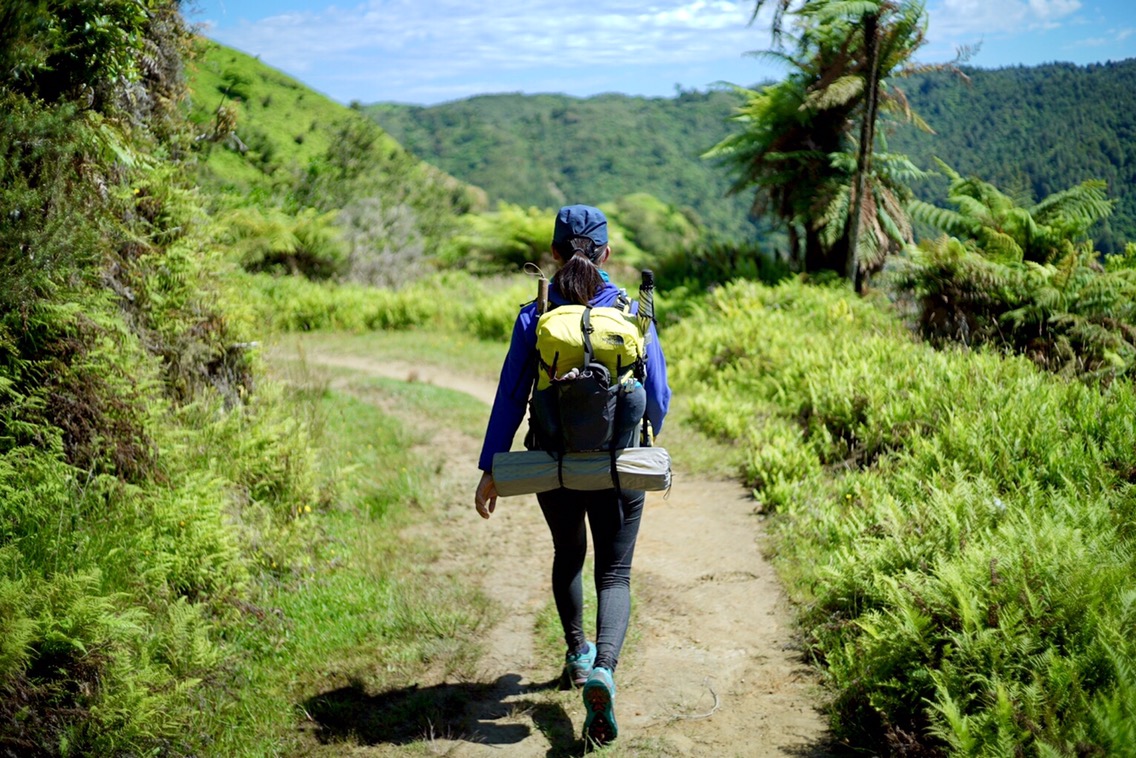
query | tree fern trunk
[816, 258]
[867, 145]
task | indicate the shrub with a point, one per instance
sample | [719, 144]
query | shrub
[307, 243]
[710, 263]
[448, 301]
[130, 521]
[502, 240]
[652, 225]
[48, 231]
[1072, 317]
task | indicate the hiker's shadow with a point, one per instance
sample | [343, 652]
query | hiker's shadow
[467, 711]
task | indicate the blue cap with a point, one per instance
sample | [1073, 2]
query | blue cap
[580, 221]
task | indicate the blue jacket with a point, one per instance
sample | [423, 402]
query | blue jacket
[519, 373]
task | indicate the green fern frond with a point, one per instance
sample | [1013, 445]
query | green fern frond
[898, 168]
[921, 124]
[1084, 204]
[974, 208]
[842, 9]
[844, 90]
[1000, 246]
[949, 723]
[943, 219]
[775, 56]
[949, 172]
[796, 155]
[894, 231]
[833, 217]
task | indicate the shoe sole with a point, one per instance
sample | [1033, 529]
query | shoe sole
[599, 728]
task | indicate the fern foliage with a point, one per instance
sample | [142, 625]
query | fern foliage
[956, 524]
[1023, 277]
[144, 472]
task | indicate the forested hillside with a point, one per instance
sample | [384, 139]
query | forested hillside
[548, 149]
[1034, 129]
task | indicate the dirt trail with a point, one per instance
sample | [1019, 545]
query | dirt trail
[708, 669]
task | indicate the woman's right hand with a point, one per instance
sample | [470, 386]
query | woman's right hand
[485, 499]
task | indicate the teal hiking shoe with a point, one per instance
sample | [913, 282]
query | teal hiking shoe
[599, 701]
[578, 666]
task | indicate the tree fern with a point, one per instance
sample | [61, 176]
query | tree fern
[1051, 299]
[833, 80]
[1077, 208]
[944, 219]
[1007, 229]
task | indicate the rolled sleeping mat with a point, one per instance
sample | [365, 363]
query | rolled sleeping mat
[527, 472]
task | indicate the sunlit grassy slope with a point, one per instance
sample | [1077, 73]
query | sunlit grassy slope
[283, 121]
[284, 124]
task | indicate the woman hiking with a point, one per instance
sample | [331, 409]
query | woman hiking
[580, 248]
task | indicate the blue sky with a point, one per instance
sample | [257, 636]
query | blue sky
[430, 51]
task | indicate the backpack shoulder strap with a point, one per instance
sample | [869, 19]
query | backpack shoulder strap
[538, 360]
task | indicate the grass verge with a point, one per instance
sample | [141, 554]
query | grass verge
[367, 616]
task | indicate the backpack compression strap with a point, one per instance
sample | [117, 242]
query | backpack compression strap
[589, 356]
[586, 329]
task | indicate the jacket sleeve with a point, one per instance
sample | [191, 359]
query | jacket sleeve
[658, 391]
[513, 388]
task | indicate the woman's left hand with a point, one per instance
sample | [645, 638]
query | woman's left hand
[485, 499]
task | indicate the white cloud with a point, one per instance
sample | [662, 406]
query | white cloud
[1115, 37]
[1053, 9]
[425, 49]
[951, 20]
[511, 34]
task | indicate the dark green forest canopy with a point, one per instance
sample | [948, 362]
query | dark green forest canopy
[1031, 130]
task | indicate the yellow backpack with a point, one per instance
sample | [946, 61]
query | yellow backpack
[561, 337]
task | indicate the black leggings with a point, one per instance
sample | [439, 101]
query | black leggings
[614, 546]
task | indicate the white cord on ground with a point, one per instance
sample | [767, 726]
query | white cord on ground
[698, 716]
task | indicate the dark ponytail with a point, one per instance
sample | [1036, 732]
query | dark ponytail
[578, 280]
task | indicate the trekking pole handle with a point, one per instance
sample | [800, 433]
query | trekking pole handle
[541, 296]
[647, 300]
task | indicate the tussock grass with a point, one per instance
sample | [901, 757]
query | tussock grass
[449, 302]
[284, 123]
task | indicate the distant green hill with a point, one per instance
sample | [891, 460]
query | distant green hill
[1037, 130]
[546, 150]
